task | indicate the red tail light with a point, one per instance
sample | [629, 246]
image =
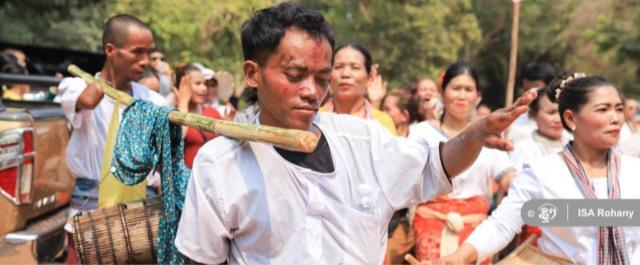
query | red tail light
[8, 181]
[16, 164]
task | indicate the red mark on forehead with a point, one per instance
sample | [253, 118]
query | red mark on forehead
[318, 50]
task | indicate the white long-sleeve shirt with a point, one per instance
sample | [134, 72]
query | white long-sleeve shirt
[248, 204]
[90, 127]
[549, 178]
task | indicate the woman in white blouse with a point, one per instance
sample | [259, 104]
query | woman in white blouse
[441, 224]
[548, 139]
[591, 108]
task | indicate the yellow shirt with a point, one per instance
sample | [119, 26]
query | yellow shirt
[9, 94]
[375, 114]
[385, 120]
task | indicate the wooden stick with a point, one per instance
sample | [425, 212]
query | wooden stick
[294, 140]
[513, 58]
[411, 259]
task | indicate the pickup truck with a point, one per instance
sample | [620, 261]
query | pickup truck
[35, 184]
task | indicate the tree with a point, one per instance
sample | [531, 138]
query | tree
[409, 39]
[73, 24]
[543, 37]
[196, 30]
[617, 43]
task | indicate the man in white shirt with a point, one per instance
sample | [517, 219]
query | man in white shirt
[534, 75]
[252, 203]
[127, 42]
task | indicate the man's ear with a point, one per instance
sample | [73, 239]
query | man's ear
[251, 73]
[110, 50]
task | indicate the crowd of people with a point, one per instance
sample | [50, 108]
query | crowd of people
[421, 170]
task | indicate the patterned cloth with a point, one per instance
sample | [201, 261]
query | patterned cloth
[146, 140]
[611, 240]
[428, 231]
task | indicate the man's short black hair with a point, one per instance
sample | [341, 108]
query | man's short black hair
[261, 34]
[539, 71]
[116, 30]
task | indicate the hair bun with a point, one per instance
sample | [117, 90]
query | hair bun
[567, 80]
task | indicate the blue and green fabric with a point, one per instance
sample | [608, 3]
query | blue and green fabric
[146, 140]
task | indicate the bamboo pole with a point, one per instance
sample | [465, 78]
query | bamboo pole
[294, 140]
[513, 58]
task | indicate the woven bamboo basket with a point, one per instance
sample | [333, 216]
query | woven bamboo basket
[124, 234]
[526, 254]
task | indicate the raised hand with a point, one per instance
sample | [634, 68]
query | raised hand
[491, 127]
[377, 89]
[461, 151]
[183, 93]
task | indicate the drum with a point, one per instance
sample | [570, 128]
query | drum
[526, 254]
[123, 234]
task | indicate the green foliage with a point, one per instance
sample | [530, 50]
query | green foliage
[409, 39]
[543, 31]
[61, 23]
[617, 30]
[617, 39]
[605, 34]
[195, 30]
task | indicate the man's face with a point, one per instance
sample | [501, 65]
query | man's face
[130, 60]
[293, 81]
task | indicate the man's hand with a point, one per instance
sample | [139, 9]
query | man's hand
[491, 127]
[466, 254]
[461, 151]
